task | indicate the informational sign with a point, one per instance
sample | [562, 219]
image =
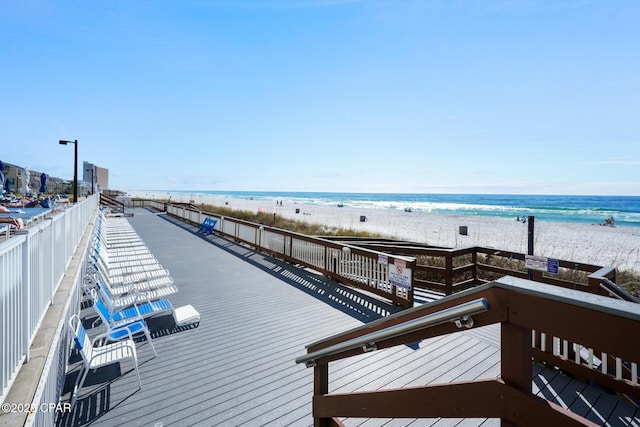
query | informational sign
[383, 259]
[539, 263]
[400, 275]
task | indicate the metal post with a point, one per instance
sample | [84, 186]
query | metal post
[75, 167]
[75, 172]
[530, 234]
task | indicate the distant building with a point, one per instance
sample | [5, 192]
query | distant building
[17, 180]
[92, 174]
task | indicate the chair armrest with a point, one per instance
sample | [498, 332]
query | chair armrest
[140, 296]
[108, 348]
[97, 338]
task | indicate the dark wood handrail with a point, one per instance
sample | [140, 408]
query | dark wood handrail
[110, 201]
[460, 315]
[521, 307]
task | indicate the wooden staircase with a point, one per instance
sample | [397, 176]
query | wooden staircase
[116, 207]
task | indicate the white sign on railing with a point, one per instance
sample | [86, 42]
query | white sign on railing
[539, 263]
[400, 275]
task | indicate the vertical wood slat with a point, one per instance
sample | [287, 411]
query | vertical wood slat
[320, 388]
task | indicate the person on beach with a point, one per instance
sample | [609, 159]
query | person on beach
[16, 222]
[43, 202]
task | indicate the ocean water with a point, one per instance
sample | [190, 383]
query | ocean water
[575, 209]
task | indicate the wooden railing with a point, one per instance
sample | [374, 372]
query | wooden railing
[114, 204]
[446, 271]
[365, 263]
[591, 336]
[385, 275]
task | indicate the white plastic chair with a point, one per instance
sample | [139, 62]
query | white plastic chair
[94, 357]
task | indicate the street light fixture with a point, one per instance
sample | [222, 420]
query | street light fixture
[92, 179]
[75, 168]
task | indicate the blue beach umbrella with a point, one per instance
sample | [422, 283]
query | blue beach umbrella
[7, 186]
[43, 183]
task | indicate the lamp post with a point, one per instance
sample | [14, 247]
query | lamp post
[75, 168]
[92, 179]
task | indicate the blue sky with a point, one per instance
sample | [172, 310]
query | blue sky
[533, 97]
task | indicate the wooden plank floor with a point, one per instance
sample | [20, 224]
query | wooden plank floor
[257, 315]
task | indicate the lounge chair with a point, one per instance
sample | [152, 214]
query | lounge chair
[208, 226]
[137, 251]
[110, 264]
[132, 273]
[134, 296]
[94, 357]
[116, 237]
[116, 257]
[119, 245]
[129, 257]
[124, 231]
[127, 284]
[183, 315]
[122, 330]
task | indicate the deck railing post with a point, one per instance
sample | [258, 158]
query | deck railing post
[516, 365]
[320, 387]
[25, 301]
[448, 279]
[474, 261]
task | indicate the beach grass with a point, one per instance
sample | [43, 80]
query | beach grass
[629, 281]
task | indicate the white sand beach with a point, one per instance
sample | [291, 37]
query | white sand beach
[588, 243]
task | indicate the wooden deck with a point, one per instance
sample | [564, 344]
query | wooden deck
[257, 315]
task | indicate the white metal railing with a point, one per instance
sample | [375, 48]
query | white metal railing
[32, 265]
[46, 401]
